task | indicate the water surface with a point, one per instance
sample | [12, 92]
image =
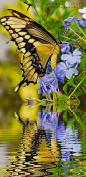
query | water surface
[44, 144]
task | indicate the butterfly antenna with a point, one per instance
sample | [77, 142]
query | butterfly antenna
[29, 5]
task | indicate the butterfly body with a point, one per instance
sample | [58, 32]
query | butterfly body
[35, 42]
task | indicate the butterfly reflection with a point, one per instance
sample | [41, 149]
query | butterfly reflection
[37, 153]
[46, 145]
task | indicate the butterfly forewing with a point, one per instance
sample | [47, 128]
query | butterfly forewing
[34, 41]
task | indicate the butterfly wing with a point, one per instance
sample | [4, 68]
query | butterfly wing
[36, 43]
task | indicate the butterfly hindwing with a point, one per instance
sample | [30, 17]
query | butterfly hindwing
[34, 41]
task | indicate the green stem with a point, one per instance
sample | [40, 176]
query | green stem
[82, 39]
[37, 100]
[77, 86]
[80, 122]
[80, 74]
[46, 95]
[80, 29]
[67, 37]
[83, 89]
[37, 13]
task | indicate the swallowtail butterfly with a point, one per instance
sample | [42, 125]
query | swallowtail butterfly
[36, 44]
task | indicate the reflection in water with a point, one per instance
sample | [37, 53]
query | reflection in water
[36, 155]
[70, 144]
[48, 148]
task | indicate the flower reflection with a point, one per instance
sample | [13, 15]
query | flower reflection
[68, 139]
[48, 120]
[65, 136]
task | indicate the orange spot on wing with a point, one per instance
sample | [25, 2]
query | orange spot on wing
[37, 62]
[41, 74]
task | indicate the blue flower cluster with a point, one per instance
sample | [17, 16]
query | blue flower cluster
[69, 60]
[64, 69]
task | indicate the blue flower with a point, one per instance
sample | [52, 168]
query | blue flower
[72, 58]
[65, 47]
[48, 121]
[67, 4]
[82, 22]
[54, 77]
[66, 70]
[65, 31]
[69, 20]
[75, 20]
[44, 87]
[83, 11]
[43, 79]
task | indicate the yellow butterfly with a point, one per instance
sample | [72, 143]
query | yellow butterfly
[36, 43]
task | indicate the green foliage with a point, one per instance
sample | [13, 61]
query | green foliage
[47, 15]
[65, 116]
[69, 83]
[83, 62]
[56, 172]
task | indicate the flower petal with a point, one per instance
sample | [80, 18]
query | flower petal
[65, 31]
[53, 80]
[66, 56]
[75, 59]
[65, 47]
[84, 15]
[67, 21]
[77, 52]
[82, 22]
[40, 89]
[70, 71]
[75, 19]
[61, 76]
[82, 10]
[59, 67]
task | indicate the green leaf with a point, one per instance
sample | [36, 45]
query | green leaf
[83, 63]
[78, 112]
[62, 102]
[78, 92]
[65, 88]
[65, 116]
[70, 82]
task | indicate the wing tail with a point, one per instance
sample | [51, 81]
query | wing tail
[19, 85]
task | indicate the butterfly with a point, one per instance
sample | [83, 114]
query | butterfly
[36, 44]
